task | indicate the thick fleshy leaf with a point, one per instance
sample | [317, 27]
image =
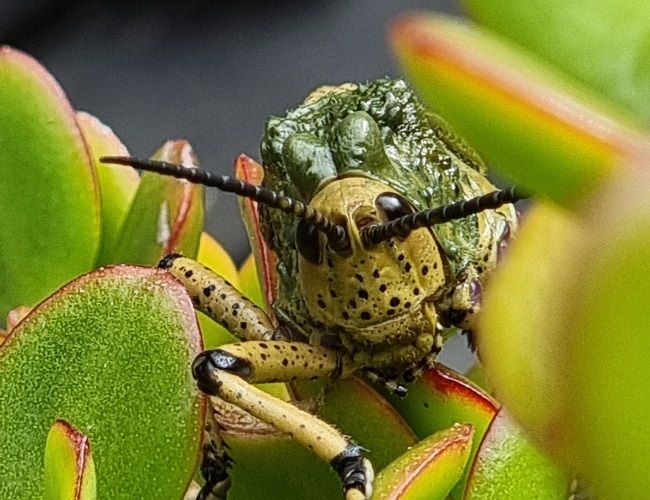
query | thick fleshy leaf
[523, 331]
[250, 283]
[111, 354]
[429, 470]
[212, 255]
[69, 465]
[166, 215]
[359, 411]
[117, 184]
[507, 465]
[605, 45]
[249, 170]
[441, 398]
[606, 388]
[269, 465]
[535, 127]
[49, 208]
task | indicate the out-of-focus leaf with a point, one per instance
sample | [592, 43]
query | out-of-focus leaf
[606, 388]
[250, 283]
[69, 465]
[603, 44]
[166, 215]
[522, 332]
[212, 255]
[531, 124]
[507, 465]
[429, 470]
[111, 354]
[49, 208]
[117, 184]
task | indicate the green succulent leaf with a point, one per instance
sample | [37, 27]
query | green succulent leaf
[439, 399]
[507, 465]
[117, 184]
[605, 45]
[531, 123]
[49, 208]
[429, 470]
[111, 354]
[166, 215]
[69, 465]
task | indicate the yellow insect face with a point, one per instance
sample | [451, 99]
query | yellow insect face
[364, 287]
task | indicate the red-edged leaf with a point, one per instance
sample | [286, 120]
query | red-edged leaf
[249, 170]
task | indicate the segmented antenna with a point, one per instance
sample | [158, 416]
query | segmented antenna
[336, 234]
[373, 234]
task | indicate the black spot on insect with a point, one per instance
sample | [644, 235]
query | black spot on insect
[188, 274]
[359, 278]
[353, 303]
[263, 345]
[375, 273]
[322, 304]
[407, 304]
[285, 362]
[345, 315]
[234, 312]
[407, 267]
[363, 294]
[207, 291]
[400, 257]
[435, 265]
[390, 312]
[263, 356]
[196, 300]
[332, 293]
[223, 296]
[425, 270]
[243, 325]
[294, 348]
[365, 316]
[382, 288]
[394, 302]
[362, 261]
[276, 347]
[416, 291]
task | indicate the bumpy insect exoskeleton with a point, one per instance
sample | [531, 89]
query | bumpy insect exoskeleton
[368, 273]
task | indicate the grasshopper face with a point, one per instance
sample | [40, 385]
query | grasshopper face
[368, 292]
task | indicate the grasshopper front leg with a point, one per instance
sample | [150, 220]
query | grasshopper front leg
[230, 371]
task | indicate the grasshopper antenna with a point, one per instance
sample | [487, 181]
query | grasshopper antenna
[402, 227]
[337, 236]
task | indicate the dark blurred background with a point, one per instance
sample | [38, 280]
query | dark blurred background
[209, 72]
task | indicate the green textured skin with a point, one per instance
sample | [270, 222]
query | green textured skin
[111, 354]
[379, 131]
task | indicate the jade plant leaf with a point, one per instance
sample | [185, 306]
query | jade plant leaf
[530, 122]
[441, 398]
[69, 465]
[166, 215]
[49, 208]
[507, 465]
[272, 466]
[605, 45]
[117, 184]
[110, 353]
[429, 470]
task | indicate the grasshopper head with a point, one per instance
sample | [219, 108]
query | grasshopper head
[364, 286]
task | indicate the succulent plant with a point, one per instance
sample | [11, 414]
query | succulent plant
[96, 393]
